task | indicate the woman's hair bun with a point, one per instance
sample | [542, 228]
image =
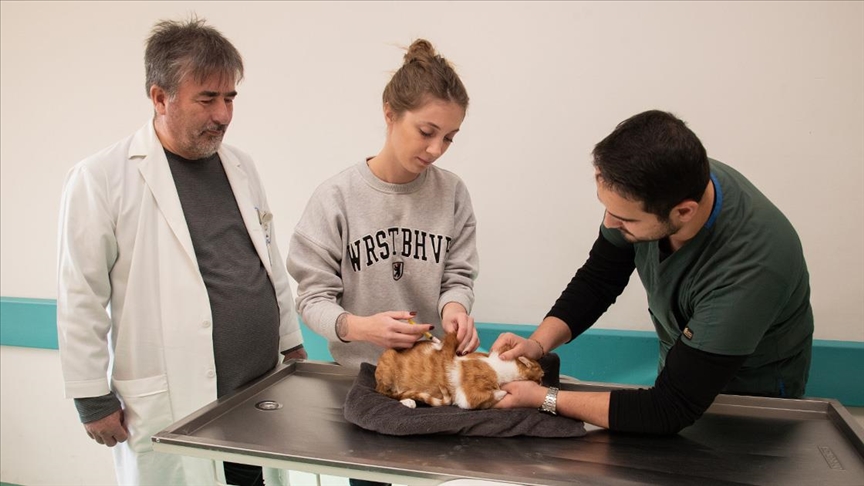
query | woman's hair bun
[420, 50]
[424, 73]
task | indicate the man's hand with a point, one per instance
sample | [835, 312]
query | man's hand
[589, 407]
[108, 430]
[512, 346]
[522, 394]
[299, 353]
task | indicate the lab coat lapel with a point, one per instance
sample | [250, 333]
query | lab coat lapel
[153, 167]
[252, 214]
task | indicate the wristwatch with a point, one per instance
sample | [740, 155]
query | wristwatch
[550, 403]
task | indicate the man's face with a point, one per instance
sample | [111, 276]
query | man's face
[197, 116]
[627, 216]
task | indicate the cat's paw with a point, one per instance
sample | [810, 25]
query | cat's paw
[408, 403]
[499, 394]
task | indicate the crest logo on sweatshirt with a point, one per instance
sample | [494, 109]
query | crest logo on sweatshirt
[398, 269]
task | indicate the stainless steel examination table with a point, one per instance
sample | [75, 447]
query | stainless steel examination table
[292, 419]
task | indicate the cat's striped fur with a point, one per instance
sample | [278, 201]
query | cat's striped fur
[433, 374]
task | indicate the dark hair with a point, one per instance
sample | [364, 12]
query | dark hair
[424, 73]
[176, 49]
[655, 159]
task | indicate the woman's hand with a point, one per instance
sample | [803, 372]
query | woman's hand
[454, 318]
[386, 329]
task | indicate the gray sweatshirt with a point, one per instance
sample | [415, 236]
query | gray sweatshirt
[367, 246]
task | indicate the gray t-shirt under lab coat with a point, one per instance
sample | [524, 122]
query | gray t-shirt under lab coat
[242, 299]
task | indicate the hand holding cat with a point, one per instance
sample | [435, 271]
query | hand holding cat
[454, 318]
[510, 346]
[522, 394]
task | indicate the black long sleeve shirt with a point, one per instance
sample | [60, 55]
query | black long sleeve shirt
[690, 380]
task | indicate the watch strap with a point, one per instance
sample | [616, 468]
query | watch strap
[550, 403]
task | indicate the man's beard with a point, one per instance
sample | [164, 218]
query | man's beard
[205, 144]
[667, 230]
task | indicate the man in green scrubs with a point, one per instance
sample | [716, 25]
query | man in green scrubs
[724, 270]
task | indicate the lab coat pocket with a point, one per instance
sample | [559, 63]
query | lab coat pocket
[146, 407]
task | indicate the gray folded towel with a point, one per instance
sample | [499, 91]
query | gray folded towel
[373, 411]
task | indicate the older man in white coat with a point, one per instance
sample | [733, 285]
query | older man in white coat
[171, 290]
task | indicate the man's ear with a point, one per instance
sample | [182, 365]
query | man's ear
[685, 211]
[159, 97]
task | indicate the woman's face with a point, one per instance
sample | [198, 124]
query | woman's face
[418, 138]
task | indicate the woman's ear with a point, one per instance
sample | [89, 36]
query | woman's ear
[390, 115]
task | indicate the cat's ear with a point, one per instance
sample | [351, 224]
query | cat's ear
[524, 360]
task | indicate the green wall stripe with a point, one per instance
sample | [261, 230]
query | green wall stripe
[29, 323]
[601, 355]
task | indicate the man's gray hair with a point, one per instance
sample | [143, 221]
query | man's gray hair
[176, 49]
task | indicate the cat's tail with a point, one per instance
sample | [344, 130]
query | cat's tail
[450, 343]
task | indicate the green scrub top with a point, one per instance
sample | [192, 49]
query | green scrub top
[739, 287]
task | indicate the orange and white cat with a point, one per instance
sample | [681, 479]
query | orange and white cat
[433, 374]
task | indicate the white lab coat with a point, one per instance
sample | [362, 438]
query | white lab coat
[124, 245]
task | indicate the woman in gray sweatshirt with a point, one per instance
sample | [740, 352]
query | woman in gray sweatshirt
[392, 238]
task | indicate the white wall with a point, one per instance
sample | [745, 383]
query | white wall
[776, 89]
[42, 441]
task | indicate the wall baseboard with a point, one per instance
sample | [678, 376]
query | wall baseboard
[834, 371]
